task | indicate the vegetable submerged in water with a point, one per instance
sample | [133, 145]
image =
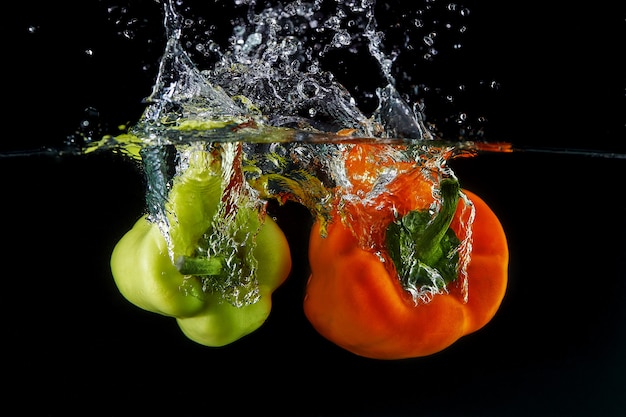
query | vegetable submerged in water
[357, 301]
[251, 262]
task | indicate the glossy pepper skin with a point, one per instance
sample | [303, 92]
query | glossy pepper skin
[354, 300]
[146, 275]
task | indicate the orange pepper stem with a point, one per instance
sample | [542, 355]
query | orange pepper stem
[428, 242]
[424, 249]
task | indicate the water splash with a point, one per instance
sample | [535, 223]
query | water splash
[283, 127]
[273, 117]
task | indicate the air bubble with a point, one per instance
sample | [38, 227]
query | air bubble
[308, 89]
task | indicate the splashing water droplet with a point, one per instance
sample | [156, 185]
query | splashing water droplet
[341, 38]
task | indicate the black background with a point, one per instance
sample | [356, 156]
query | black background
[72, 344]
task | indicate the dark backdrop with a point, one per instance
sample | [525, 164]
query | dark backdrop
[72, 344]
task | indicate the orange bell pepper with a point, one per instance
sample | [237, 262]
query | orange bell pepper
[360, 294]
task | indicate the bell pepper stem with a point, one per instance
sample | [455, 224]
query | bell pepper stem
[423, 247]
[428, 242]
[199, 266]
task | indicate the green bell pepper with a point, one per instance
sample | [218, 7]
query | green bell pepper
[215, 264]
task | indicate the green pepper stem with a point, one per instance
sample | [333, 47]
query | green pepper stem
[199, 266]
[428, 241]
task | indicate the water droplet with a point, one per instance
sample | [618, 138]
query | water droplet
[341, 38]
[290, 9]
[289, 46]
[128, 34]
[333, 22]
